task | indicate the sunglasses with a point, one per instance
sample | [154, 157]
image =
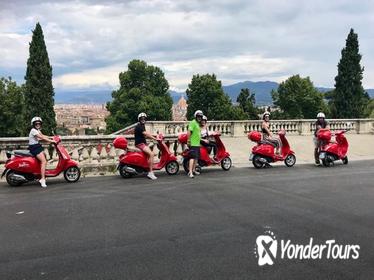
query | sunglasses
[38, 123]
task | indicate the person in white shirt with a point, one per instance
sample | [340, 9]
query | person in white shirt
[36, 148]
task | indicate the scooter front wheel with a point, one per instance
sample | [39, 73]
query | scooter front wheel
[72, 174]
[172, 168]
[290, 160]
[226, 163]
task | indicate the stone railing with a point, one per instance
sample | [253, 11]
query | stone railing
[240, 128]
[95, 154]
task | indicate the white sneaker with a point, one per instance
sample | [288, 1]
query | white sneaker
[190, 174]
[196, 172]
[42, 183]
[151, 176]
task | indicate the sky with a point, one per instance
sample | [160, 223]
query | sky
[90, 42]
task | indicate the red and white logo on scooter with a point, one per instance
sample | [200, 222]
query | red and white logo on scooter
[23, 165]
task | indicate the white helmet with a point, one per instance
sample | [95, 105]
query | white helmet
[205, 118]
[320, 115]
[198, 113]
[265, 114]
[142, 115]
[36, 119]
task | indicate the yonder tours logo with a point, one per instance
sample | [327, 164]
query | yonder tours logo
[268, 249]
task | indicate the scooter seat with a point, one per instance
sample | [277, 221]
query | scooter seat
[23, 153]
[133, 149]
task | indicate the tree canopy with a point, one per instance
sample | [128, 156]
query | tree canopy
[349, 98]
[298, 98]
[12, 109]
[143, 88]
[247, 101]
[205, 93]
[39, 92]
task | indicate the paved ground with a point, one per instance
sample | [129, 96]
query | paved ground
[178, 228]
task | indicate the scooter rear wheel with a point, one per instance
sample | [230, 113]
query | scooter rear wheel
[72, 174]
[328, 161]
[122, 171]
[172, 168]
[345, 160]
[10, 181]
[257, 162]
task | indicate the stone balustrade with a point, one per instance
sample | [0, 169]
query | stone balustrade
[240, 128]
[96, 154]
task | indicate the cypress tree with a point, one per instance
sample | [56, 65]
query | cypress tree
[349, 98]
[39, 92]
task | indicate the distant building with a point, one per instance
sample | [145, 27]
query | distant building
[180, 110]
[76, 118]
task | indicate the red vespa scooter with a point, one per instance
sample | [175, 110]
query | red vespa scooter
[263, 153]
[222, 157]
[22, 166]
[333, 151]
[134, 161]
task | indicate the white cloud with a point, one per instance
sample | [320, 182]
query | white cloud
[90, 42]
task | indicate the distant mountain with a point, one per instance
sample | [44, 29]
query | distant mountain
[262, 91]
[89, 96]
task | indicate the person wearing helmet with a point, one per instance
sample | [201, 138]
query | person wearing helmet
[320, 123]
[140, 142]
[205, 141]
[193, 141]
[267, 134]
[36, 149]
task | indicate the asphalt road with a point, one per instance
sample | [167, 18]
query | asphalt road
[181, 228]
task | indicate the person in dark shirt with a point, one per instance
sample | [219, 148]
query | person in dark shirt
[320, 123]
[140, 142]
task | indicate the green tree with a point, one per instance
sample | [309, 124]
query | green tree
[298, 98]
[143, 88]
[39, 92]
[369, 112]
[247, 101]
[349, 99]
[12, 109]
[205, 93]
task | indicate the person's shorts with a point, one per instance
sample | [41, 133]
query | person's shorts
[194, 152]
[36, 149]
[141, 146]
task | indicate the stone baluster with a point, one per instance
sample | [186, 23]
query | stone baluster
[103, 154]
[94, 156]
[75, 154]
[85, 155]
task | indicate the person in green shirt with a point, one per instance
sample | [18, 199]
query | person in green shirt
[193, 141]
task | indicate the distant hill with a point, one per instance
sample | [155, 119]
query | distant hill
[88, 96]
[262, 91]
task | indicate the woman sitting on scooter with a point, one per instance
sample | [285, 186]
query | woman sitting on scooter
[140, 134]
[205, 141]
[36, 148]
[266, 133]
